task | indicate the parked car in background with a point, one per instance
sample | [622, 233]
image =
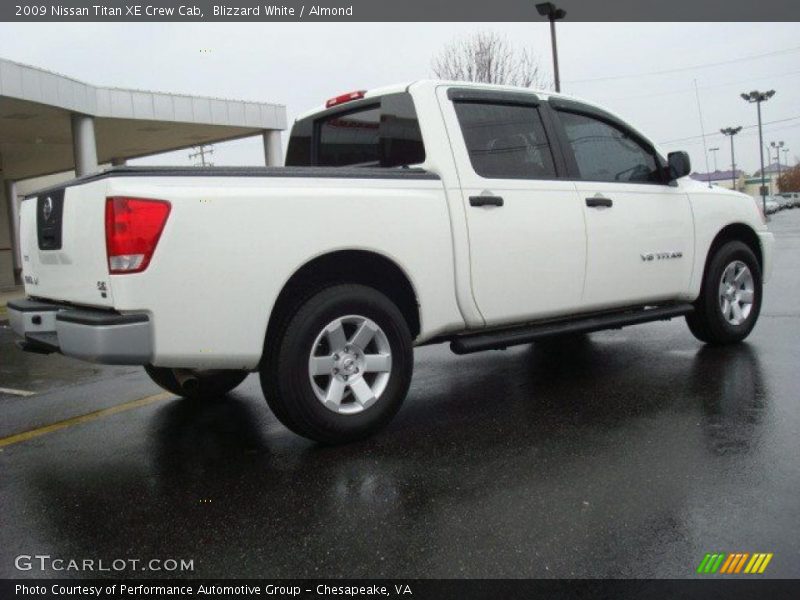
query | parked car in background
[792, 198]
[784, 202]
[771, 206]
[484, 216]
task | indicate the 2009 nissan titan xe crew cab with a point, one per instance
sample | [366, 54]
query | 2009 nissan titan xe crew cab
[485, 216]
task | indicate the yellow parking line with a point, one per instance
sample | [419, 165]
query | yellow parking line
[92, 416]
[16, 392]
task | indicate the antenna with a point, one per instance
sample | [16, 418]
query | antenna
[702, 131]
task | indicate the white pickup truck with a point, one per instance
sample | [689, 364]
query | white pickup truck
[484, 216]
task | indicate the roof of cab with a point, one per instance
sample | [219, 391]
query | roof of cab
[431, 84]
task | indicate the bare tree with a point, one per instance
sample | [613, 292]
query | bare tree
[789, 181]
[487, 57]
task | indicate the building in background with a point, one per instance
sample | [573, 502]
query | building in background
[55, 126]
[723, 179]
[749, 184]
[771, 174]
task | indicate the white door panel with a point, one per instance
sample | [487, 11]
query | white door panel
[641, 248]
[527, 257]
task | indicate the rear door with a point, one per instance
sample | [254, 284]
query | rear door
[63, 245]
[640, 229]
[526, 229]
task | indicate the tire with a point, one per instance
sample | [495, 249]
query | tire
[208, 384]
[735, 262]
[366, 389]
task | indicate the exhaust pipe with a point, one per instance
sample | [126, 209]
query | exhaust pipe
[187, 380]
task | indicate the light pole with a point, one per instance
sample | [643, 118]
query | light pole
[778, 147]
[730, 132]
[714, 154]
[553, 14]
[786, 156]
[758, 97]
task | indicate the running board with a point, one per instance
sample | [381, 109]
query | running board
[494, 340]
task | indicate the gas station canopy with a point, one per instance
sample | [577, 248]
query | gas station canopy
[51, 123]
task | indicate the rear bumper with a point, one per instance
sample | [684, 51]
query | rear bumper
[94, 335]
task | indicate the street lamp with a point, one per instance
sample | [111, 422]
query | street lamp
[786, 156]
[553, 14]
[778, 147]
[714, 154]
[730, 132]
[758, 97]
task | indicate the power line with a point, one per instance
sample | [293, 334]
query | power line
[712, 86]
[748, 135]
[691, 68]
[695, 137]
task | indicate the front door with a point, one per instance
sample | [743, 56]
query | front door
[639, 227]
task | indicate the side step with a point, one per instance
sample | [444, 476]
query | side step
[493, 340]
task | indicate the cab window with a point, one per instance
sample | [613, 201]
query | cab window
[505, 141]
[382, 133]
[605, 152]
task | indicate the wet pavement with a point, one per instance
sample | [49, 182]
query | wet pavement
[621, 454]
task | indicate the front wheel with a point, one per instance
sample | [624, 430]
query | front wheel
[195, 384]
[339, 368]
[730, 298]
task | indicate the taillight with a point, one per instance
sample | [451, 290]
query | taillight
[345, 98]
[133, 226]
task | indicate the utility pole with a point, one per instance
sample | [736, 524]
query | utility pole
[200, 155]
[778, 147]
[730, 132]
[714, 154]
[756, 97]
[553, 14]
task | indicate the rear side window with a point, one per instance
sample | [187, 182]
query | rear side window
[385, 133]
[505, 141]
[605, 152]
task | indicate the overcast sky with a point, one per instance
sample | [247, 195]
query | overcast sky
[302, 64]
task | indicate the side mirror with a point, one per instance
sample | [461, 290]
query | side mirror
[679, 164]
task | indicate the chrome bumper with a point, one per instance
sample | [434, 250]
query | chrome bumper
[94, 335]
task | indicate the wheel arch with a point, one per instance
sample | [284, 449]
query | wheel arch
[736, 232]
[358, 266]
[731, 232]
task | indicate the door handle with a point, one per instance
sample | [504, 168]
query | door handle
[599, 201]
[485, 201]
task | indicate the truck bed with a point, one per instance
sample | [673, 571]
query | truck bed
[233, 239]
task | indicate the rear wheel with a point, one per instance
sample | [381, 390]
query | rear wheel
[730, 298]
[340, 366]
[196, 384]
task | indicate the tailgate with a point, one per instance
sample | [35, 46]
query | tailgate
[63, 245]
